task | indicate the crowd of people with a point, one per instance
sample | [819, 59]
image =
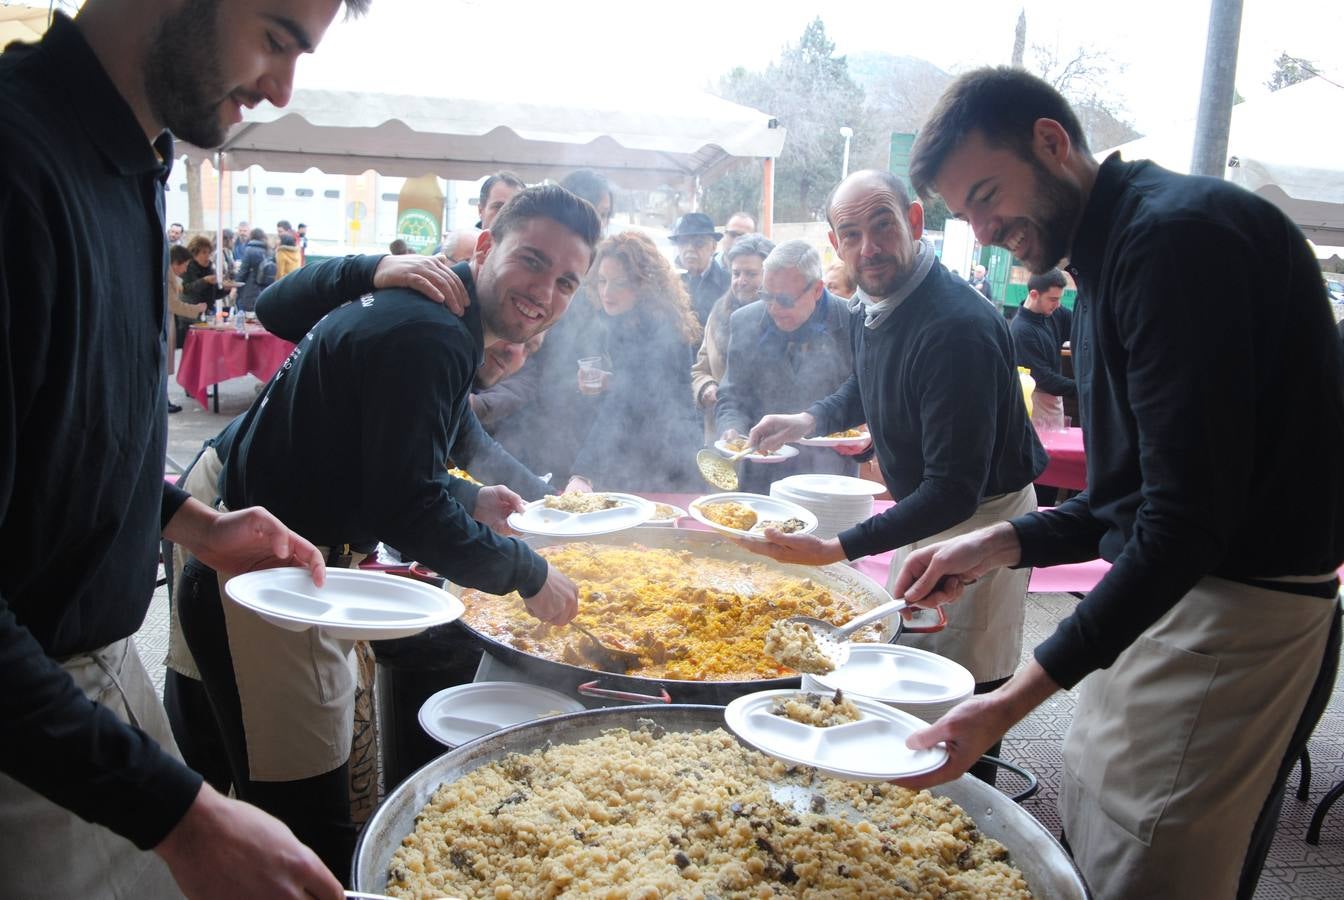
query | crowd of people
[540, 351]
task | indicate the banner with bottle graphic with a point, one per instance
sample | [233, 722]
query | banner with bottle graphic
[419, 213]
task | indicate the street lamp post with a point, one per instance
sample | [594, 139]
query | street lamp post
[845, 132]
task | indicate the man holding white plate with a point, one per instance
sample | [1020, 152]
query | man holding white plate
[934, 379]
[351, 440]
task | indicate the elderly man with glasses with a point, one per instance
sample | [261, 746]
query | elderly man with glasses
[786, 353]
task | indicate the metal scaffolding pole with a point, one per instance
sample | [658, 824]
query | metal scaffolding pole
[1215, 96]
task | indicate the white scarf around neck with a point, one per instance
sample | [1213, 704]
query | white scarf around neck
[877, 310]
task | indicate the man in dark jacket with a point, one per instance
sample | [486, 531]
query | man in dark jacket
[785, 352]
[256, 270]
[705, 280]
[1037, 340]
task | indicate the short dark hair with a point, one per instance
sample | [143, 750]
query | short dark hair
[198, 243]
[589, 185]
[178, 254]
[1047, 280]
[505, 176]
[552, 202]
[1003, 104]
[175, 225]
[889, 180]
[300, 225]
[283, 225]
[257, 234]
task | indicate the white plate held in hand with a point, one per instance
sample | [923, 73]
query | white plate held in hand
[766, 509]
[353, 604]
[538, 518]
[783, 453]
[871, 749]
[828, 441]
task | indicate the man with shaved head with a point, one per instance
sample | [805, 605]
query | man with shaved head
[934, 379]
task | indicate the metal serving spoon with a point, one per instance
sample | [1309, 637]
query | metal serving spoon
[831, 638]
[609, 659]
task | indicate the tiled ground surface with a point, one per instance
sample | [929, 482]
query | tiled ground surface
[1295, 870]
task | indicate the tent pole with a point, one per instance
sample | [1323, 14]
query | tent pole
[220, 274]
[768, 196]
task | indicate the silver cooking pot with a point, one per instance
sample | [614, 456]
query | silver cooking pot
[1047, 868]
[604, 687]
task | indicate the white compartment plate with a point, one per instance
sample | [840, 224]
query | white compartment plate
[764, 507]
[539, 519]
[871, 749]
[891, 673]
[783, 453]
[353, 604]
[824, 441]
[459, 714]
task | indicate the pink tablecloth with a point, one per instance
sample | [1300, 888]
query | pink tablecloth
[214, 355]
[1075, 578]
[1068, 465]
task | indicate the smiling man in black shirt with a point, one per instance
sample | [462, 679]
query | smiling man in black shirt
[1207, 652]
[350, 444]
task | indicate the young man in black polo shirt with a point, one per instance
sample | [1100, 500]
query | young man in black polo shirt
[934, 379]
[350, 443]
[1210, 647]
[89, 779]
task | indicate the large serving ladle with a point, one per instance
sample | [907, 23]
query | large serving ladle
[831, 639]
[609, 659]
[718, 470]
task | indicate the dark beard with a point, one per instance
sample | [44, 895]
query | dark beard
[182, 77]
[1055, 211]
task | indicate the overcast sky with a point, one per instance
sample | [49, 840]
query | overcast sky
[1157, 45]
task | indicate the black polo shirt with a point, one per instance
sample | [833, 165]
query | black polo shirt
[1213, 409]
[350, 441]
[936, 384]
[82, 401]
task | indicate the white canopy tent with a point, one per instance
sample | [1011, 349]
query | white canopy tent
[1287, 146]
[643, 142]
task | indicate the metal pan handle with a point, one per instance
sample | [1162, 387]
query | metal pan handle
[907, 628]
[591, 689]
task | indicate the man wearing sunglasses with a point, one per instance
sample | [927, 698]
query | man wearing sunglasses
[786, 353]
[934, 379]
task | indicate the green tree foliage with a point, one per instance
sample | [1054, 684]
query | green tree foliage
[810, 91]
[1290, 70]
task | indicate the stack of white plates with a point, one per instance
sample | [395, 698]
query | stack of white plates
[838, 501]
[916, 681]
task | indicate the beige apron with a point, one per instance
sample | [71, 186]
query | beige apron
[984, 627]
[296, 690]
[201, 483]
[47, 851]
[1173, 749]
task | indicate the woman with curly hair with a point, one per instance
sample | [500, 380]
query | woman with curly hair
[646, 431]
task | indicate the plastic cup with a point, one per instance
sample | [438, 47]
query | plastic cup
[590, 374]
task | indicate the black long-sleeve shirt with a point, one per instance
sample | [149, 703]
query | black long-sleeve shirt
[936, 384]
[350, 441]
[82, 402]
[1036, 343]
[1203, 408]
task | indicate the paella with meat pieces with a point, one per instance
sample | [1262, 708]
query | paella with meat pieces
[688, 617]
